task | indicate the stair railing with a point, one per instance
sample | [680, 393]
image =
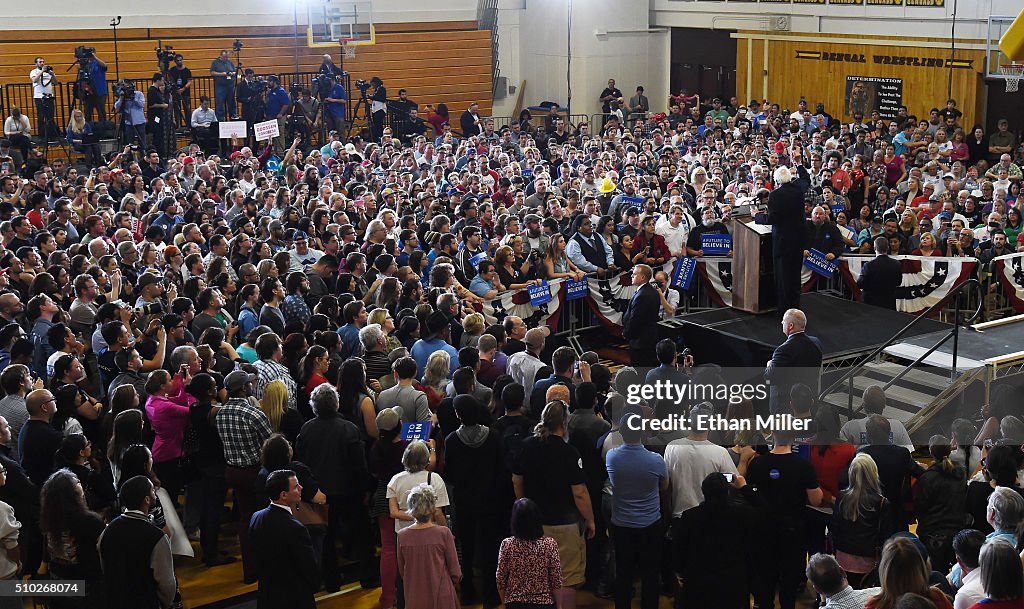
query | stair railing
[953, 333]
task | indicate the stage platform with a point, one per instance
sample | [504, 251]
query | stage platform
[846, 329]
[991, 344]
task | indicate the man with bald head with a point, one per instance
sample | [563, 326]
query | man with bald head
[38, 440]
[524, 365]
[797, 360]
[10, 307]
[823, 235]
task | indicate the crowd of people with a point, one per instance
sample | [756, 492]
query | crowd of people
[172, 328]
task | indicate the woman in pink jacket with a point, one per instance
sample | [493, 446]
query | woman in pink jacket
[167, 409]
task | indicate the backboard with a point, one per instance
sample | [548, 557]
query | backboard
[333, 21]
[997, 64]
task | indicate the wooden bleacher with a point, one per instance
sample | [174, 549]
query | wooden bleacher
[436, 62]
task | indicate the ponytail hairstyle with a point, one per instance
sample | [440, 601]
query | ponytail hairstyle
[940, 449]
[552, 419]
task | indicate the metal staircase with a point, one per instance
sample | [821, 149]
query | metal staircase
[916, 390]
[487, 19]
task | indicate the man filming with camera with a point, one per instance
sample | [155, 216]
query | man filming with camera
[180, 78]
[156, 104]
[131, 104]
[279, 105]
[97, 81]
[42, 92]
[335, 110]
[250, 96]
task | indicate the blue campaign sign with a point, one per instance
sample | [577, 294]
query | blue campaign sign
[817, 262]
[476, 260]
[540, 294]
[682, 276]
[416, 431]
[716, 245]
[576, 289]
[837, 208]
[526, 173]
[637, 202]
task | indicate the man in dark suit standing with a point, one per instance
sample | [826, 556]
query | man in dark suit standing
[880, 277]
[798, 360]
[285, 564]
[789, 236]
[639, 324]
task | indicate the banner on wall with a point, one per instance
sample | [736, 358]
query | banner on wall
[1009, 270]
[865, 94]
[885, 2]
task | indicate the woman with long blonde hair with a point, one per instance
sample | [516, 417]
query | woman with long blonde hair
[283, 420]
[77, 129]
[901, 570]
[861, 520]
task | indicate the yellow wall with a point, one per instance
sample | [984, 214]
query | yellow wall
[816, 67]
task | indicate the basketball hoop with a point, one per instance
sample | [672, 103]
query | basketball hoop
[348, 51]
[1014, 72]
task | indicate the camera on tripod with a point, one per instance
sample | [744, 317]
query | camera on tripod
[84, 52]
[124, 88]
[295, 88]
[362, 85]
[237, 45]
[165, 56]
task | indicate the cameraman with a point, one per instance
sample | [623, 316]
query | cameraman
[132, 104]
[42, 92]
[335, 111]
[250, 95]
[156, 106]
[181, 80]
[378, 109]
[279, 105]
[223, 73]
[98, 81]
[328, 69]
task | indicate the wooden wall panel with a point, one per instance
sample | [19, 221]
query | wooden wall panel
[437, 62]
[819, 72]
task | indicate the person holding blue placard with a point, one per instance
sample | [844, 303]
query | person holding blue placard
[471, 238]
[823, 235]
[710, 225]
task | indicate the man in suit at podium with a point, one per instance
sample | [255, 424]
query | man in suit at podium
[880, 277]
[789, 235]
[639, 324]
[798, 360]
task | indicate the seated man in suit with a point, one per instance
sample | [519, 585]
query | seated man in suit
[639, 325]
[286, 567]
[798, 360]
[880, 277]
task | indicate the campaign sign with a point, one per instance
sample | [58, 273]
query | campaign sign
[682, 275]
[540, 294]
[716, 245]
[816, 262]
[266, 130]
[477, 259]
[576, 289]
[637, 202]
[416, 431]
[837, 208]
[232, 129]
[526, 173]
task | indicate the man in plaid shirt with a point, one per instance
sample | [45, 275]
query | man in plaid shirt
[270, 368]
[243, 428]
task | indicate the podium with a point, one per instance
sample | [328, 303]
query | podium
[753, 279]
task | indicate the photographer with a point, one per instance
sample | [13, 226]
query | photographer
[378, 109]
[335, 111]
[250, 95]
[156, 106]
[328, 69]
[223, 73]
[42, 92]
[131, 104]
[279, 105]
[98, 82]
[181, 79]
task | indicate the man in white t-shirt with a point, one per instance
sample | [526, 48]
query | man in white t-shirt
[967, 548]
[855, 431]
[675, 228]
[42, 93]
[692, 458]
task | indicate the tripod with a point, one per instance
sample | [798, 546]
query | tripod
[50, 126]
[364, 103]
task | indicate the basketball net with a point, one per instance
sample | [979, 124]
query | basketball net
[1014, 73]
[347, 50]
